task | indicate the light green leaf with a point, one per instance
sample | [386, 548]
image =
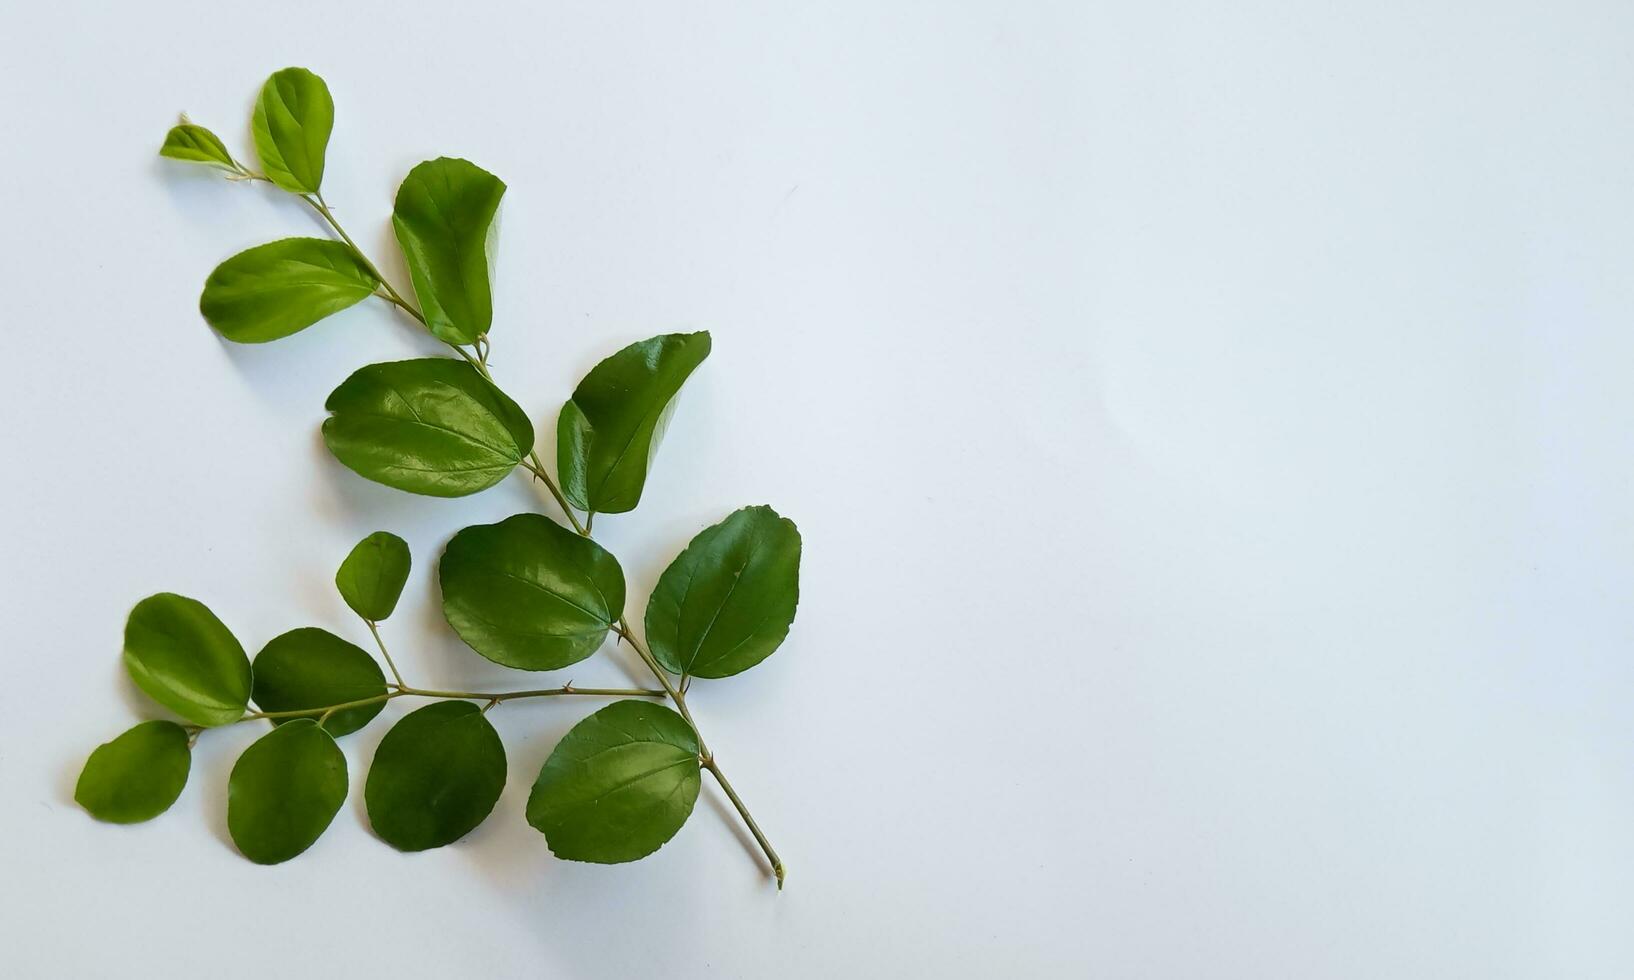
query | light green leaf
[529, 593]
[291, 124]
[136, 776]
[313, 668]
[284, 791]
[282, 287]
[619, 784]
[435, 777]
[444, 219]
[196, 144]
[433, 426]
[372, 576]
[726, 602]
[181, 656]
[607, 434]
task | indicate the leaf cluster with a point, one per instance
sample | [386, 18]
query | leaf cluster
[527, 592]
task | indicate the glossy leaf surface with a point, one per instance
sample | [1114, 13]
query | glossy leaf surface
[619, 784]
[138, 775]
[444, 220]
[433, 426]
[726, 602]
[283, 287]
[284, 791]
[529, 593]
[314, 668]
[196, 144]
[372, 576]
[291, 126]
[435, 777]
[609, 431]
[183, 657]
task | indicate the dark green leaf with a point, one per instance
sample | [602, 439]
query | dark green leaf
[284, 791]
[282, 287]
[437, 774]
[292, 121]
[726, 602]
[529, 593]
[433, 426]
[181, 656]
[313, 668]
[618, 786]
[197, 145]
[136, 776]
[444, 219]
[607, 434]
[372, 576]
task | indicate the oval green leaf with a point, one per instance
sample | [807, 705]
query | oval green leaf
[136, 776]
[196, 144]
[314, 668]
[726, 602]
[435, 777]
[291, 125]
[181, 656]
[433, 426]
[284, 791]
[619, 784]
[607, 434]
[283, 287]
[529, 593]
[371, 578]
[444, 220]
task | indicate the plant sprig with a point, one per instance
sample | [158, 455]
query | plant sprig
[525, 592]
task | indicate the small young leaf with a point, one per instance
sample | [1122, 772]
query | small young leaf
[282, 287]
[284, 791]
[433, 426]
[607, 434]
[726, 602]
[136, 776]
[291, 124]
[529, 593]
[181, 656]
[313, 668]
[196, 144]
[372, 576]
[619, 784]
[437, 774]
[444, 219]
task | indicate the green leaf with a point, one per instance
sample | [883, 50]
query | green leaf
[618, 786]
[607, 434]
[282, 287]
[136, 776]
[372, 576]
[437, 774]
[726, 602]
[529, 593]
[433, 426]
[291, 124]
[314, 668]
[181, 656]
[284, 791]
[444, 219]
[196, 144]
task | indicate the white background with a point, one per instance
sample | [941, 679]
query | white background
[1209, 424]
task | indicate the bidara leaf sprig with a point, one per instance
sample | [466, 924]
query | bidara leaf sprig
[526, 592]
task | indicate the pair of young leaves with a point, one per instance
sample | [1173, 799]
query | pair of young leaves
[617, 787]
